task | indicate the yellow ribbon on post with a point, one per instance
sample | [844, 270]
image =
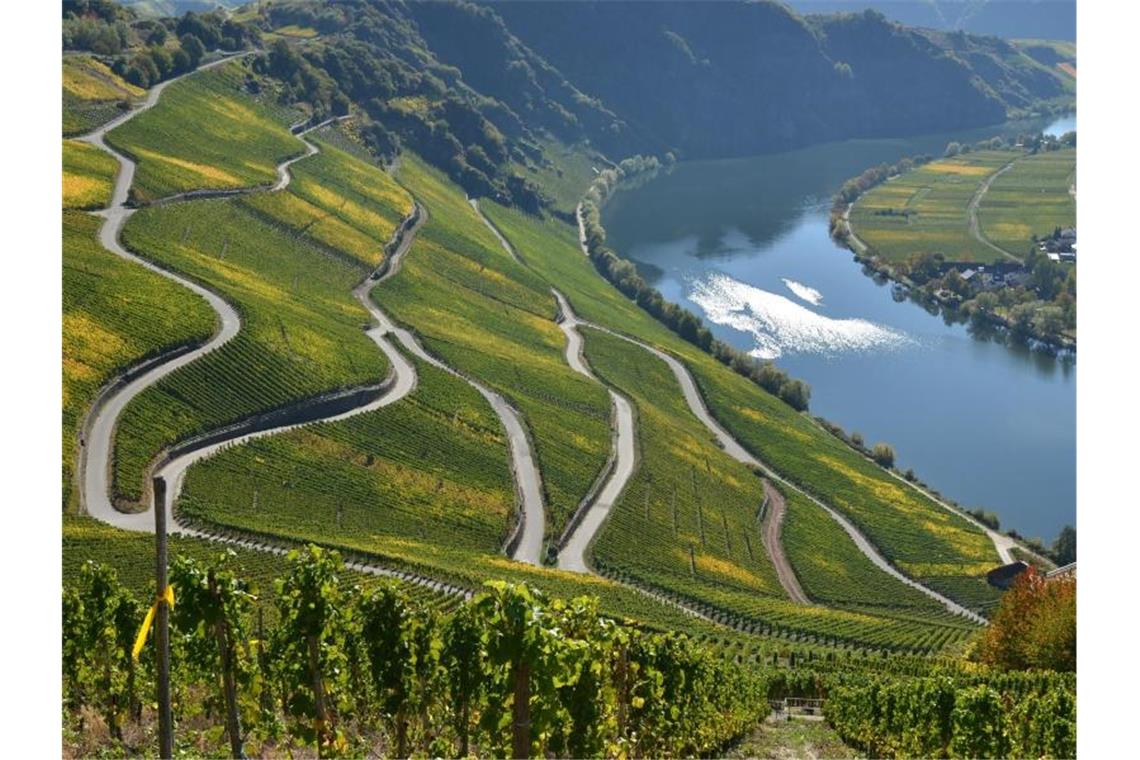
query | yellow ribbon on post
[140, 640]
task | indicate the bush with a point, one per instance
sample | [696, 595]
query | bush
[883, 454]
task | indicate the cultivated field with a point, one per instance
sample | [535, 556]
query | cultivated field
[206, 133]
[88, 175]
[1032, 198]
[927, 210]
[92, 94]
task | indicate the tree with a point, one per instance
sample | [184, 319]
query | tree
[193, 47]
[883, 454]
[1034, 627]
[796, 394]
[952, 149]
[1065, 547]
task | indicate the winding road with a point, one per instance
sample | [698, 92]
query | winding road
[733, 448]
[594, 511]
[94, 465]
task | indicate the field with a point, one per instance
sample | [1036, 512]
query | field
[1032, 198]
[88, 176]
[932, 544]
[91, 94]
[205, 132]
[423, 475]
[927, 210]
[497, 325]
[115, 314]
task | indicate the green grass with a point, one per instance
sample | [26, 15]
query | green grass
[91, 94]
[205, 132]
[1032, 198]
[496, 323]
[928, 542]
[926, 210]
[115, 313]
[88, 176]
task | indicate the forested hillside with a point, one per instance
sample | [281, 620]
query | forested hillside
[724, 79]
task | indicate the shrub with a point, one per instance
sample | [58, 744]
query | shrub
[883, 454]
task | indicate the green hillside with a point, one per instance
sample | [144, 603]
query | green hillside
[332, 594]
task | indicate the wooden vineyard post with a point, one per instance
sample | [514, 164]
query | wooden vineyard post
[162, 625]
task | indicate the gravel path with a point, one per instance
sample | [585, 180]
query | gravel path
[773, 524]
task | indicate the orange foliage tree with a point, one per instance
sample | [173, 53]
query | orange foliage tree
[1035, 626]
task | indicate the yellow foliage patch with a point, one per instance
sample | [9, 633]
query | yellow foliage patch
[212, 174]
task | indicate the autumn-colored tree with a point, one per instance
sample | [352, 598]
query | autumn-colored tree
[1035, 626]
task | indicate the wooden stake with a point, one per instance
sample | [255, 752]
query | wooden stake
[162, 625]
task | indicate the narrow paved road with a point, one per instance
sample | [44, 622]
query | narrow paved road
[733, 448]
[573, 554]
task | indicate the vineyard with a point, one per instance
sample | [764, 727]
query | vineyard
[926, 210]
[935, 546]
[994, 715]
[352, 670]
[115, 314]
[301, 329]
[88, 174]
[92, 94]
[1032, 198]
[236, 140]
[422, 476]
[671, 648]
[497, 326]
[697, 511]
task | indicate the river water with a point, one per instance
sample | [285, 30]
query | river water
[744, 242]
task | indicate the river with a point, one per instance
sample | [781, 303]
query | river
[744, 242]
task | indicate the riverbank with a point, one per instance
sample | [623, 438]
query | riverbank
[1029, 297]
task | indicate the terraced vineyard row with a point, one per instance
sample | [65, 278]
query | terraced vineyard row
[496, 325]
[91, 94]
[115, 314]
[300, 335]
[832, 569]
[236, 140]
[423, 475]
[131, 555]
[88, 175]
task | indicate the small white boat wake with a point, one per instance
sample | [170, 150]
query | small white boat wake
[804, 292]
